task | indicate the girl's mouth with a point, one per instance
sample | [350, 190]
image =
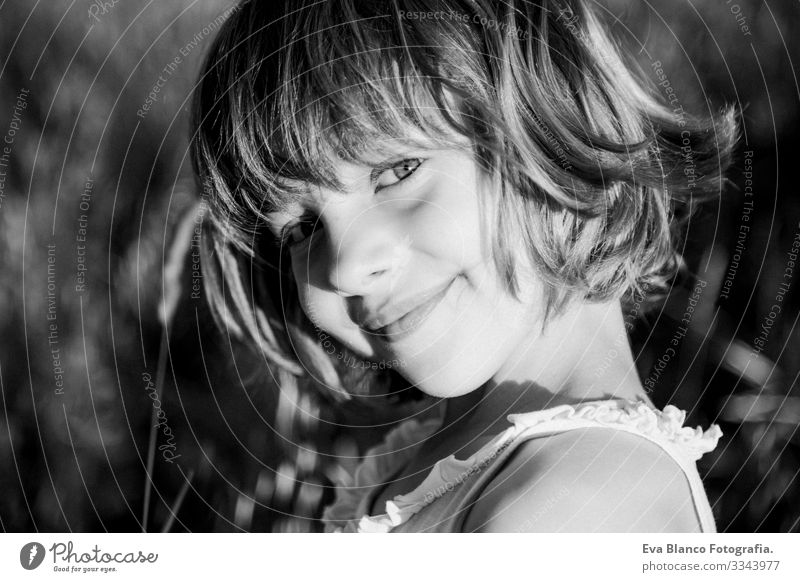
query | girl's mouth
[411, 320]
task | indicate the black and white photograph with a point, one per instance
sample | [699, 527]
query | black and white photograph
[297, 267]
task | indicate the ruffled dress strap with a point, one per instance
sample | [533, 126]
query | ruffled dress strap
[453, 485]
[664, 427]
[380, 463]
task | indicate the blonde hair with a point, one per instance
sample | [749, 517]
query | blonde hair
[586, 164]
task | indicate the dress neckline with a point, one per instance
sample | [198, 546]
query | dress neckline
[356, 493]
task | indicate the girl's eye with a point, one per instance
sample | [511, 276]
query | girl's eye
[300, 230]
[398, 172]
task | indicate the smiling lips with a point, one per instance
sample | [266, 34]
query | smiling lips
[411, 314]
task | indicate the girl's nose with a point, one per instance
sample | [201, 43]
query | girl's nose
[367, 252]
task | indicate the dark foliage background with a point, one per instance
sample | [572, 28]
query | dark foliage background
[83, 164]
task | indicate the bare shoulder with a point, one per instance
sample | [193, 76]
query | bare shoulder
[586, 480]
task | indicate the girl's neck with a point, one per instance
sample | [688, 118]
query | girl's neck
[582, 356]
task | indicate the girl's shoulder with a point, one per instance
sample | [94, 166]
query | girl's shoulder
[615, 465]
[585, 480]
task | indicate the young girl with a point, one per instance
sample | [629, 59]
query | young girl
[459, 197]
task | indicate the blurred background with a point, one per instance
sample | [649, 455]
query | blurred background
[107, 427]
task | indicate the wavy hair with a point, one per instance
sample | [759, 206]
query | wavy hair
[590, 171]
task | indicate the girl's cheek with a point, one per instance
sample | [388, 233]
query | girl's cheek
[450, 227]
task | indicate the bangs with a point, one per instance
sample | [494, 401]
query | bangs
[283, 105]
[351, 100]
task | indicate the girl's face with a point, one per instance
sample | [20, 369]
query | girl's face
[396, 268]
